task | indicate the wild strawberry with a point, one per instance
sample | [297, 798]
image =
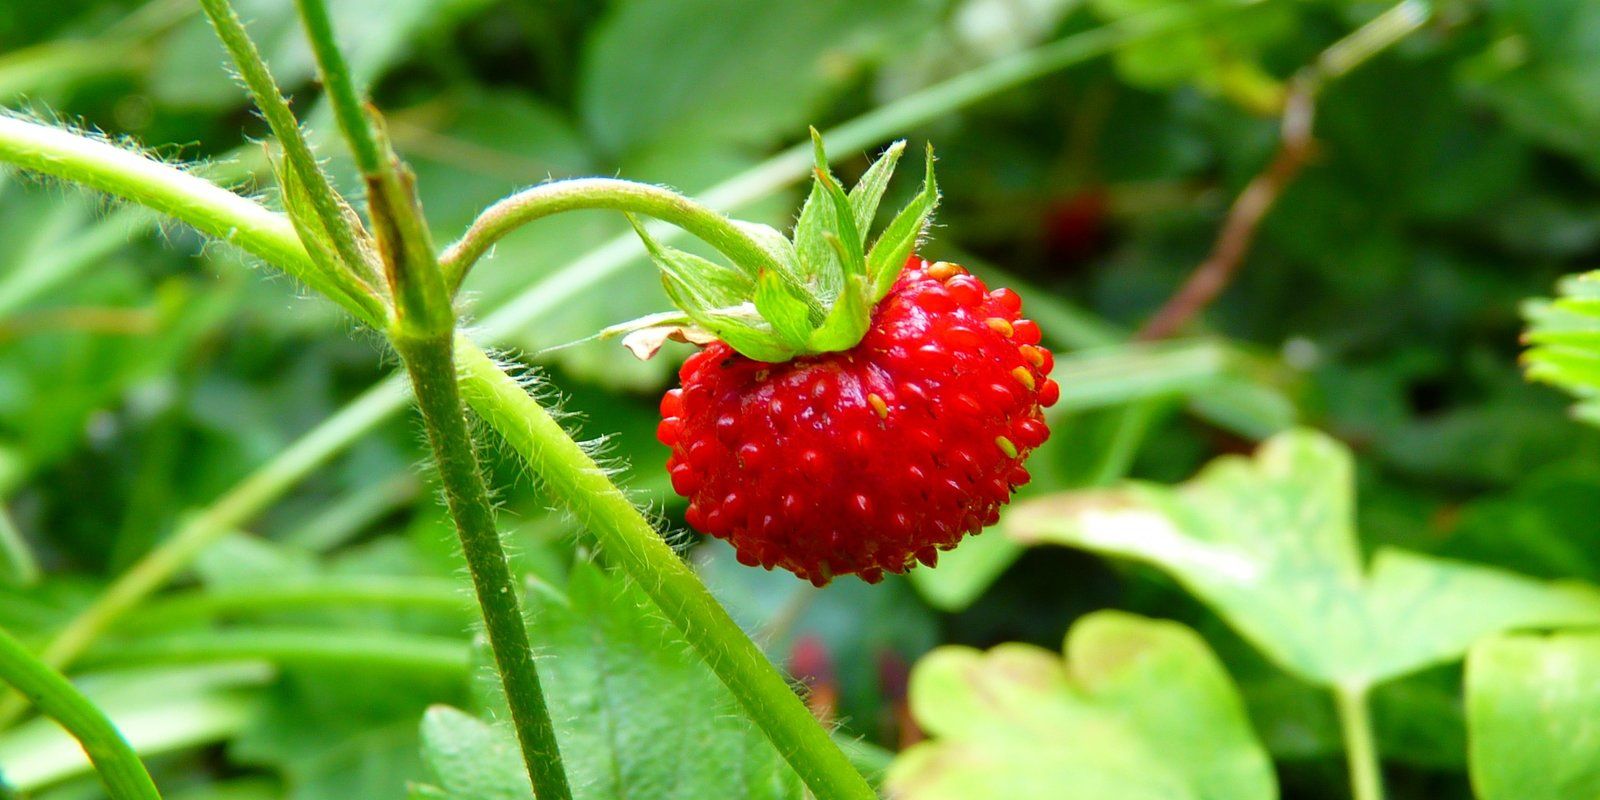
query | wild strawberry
[859, 414]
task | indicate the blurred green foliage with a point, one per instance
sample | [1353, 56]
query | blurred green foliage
[143, 373]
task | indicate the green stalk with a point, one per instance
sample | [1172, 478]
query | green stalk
[423, 334]
[411, 594]
[120, 770]
[1360, 743]
[431, 364]
[330, 211]
[576, 194]
[327, 647]
[342, 94]
[630, 542]
[210, 209]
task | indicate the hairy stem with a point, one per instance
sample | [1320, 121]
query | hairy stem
[431, 363]
[330, 211]
[505, 216]
[120, 770]
[630, 541]
[1360, 744]
[341, 88]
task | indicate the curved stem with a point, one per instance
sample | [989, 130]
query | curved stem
[210, 209]
[1360, 744]
[120, 769]
[633, 544]
[575, 194]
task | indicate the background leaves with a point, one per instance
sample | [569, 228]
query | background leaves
[142, 375]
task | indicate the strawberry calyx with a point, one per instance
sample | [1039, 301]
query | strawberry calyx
[812, 291]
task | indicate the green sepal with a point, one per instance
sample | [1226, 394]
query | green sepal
[297, 205]
[868, 192]
[786, 312]
[745, 331]
[693, 282]
[814, 292]
[847, 322]
[819, 267]
[894, 246]
[845, 229]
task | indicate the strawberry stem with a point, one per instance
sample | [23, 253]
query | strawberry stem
[528, 205]
[431, 365]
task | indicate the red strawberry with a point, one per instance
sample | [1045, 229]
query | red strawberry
[869, 459]
[856, 409]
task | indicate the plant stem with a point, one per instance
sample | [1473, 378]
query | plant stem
[342, 94]
[334, 647]
[1295, 148]
[210, 209]
[431, 363]
[1360, 744]
[411, 594]
[329, 209]
[528, 205]
[630, 541]
[124, 775]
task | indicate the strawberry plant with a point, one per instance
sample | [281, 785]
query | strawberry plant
[1269, 504]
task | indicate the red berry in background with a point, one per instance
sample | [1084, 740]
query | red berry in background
[1075, 227]
[870, 459]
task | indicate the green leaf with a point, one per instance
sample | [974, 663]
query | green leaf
[1269, 543]
[1533, 717]
[778, 248]
[895, 244]
[1140, 710]
[1565, 338]
[470, 759]
[868, 192]
[743, 328]
[728, 70]
[780, 307]
[1538, 71]
[1219, 59]
[638, 714]
[165, 710]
